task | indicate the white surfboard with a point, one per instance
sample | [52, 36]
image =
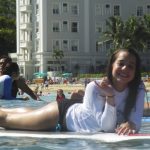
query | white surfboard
[103, 137]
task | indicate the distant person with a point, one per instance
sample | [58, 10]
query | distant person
[85, 82]
[60, 95]
[46, 84]
[19, 83]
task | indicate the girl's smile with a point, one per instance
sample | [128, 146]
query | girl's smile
[123, 70]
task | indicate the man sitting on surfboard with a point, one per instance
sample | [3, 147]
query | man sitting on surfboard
[113, 104]
[8, 73]
[18, 83]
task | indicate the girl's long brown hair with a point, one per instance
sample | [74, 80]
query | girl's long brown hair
[133, 85]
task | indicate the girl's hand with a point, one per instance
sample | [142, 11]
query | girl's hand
[106, 88]
[126, 128]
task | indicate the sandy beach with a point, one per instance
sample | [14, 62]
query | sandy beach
[68, 87]
[55, 87]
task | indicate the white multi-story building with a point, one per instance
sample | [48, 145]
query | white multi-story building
[73, 26]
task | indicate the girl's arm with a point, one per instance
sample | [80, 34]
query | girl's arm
[137, 112]
[134, 123]
[104, 113]
[109, 116]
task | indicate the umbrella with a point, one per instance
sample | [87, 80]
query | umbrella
[40, 74]
[67, 74]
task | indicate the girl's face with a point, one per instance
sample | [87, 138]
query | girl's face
[123, 70]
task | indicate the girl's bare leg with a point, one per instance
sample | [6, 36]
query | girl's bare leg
[17, 110]
[44, 118]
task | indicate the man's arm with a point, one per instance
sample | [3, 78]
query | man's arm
[25, 88]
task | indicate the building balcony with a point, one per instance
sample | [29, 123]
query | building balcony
[25, 44]
[26, 8]
[26, 26]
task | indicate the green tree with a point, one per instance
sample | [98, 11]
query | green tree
[147, 22]
[58, 56]
[114, 32]
[7, 26]
[136, 33]
[132, 33]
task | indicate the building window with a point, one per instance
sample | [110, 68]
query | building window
[22, 18]
[116, 10]
[65, 7]
[23, 2]
[98, 27]
[37, 27]
[30, 2]
[31, 37]
[37, 8]
[99, 47]
[74, 45]
[107, 9]
[98, 9]
[65, 45]
[37, 45]
[56, 44]
[139, 11]
[148, 9]
[74, 27]
[56, 27]
[56, 9]
[37, 69]
[30, 18]
[74, 9]
[65, 26]
[21, 70]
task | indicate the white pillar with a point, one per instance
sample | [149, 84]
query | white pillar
[43, 31]
[86, 23]
[18, 24]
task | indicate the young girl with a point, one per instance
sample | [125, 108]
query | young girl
[60, 95]
[113, 104]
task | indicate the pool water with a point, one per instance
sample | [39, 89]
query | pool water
[8, 143]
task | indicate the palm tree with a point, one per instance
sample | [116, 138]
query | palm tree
[114, 32]
[136, 33]
[146, 19]
[133, 33]
[58, 55]
[147, 22]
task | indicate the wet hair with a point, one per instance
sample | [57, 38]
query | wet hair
[5, 57]
[133, 85]
[10, 68]
[3, 61]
